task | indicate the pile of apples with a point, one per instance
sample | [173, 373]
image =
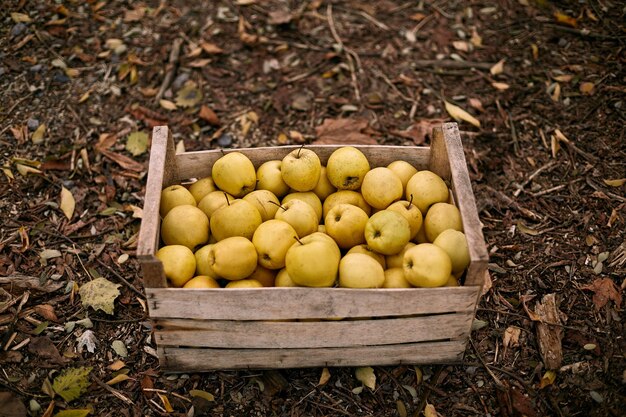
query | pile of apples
[297, 223]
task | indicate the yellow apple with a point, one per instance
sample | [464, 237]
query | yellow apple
[321, 228]
[234, 174]
[346, 168]
[324, 188]
[357, 270]
[244, 283]
[420, 237]
[270, 178]
[185, 225]
[202, 281]
[381, 187]
[214, 200]
[299, 215]
[233, 258]
[426, 189]
[203, 266]
[239, 218]
[427, 265]
[308, 197]
[394, 278]
[440, 217]
[201, 188]
[272, 239]
[301, 169]
[403, 170]
[395, 261]
[346, 224]
[175, 195]
[263, 275]
[364, 249]
[265, 202]
[283, 279]
[313, 261]
[411, 213]
[179, 264]
[387, 232]
[454, 244]
[452, 282]
[345, 197]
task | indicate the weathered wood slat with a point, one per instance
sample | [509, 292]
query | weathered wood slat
[263, 334]
[198, 164]
[206, 359]
[302, 303]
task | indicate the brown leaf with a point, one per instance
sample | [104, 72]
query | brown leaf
[12, 356]
[17, 284]
[279, 17]
[11, 406]
[43, 346]
[511, 338]
[419, 131]
[123, 161]
[522, 403]
[47, 312]
[604, 290]
[211, 48]
[343, 131]
[565, 19]
[476, 103]
[147, 384]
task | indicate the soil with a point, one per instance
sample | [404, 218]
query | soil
[547, 162]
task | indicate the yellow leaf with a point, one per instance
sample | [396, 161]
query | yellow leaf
[72, 72]
[72, 383]
[20, 18]
[25, 169]
[67, 203]
[167, 105]
[476, 39]
[117, 365]
[188, 96]
[324, 377]
[535, 50]
[560, 136]
[166, 403]
[37, 137]
[8, 173]
[615, 183]
[282, 138]
[527, 230]
[547, 379]
[459, 114]
[554, 145]
[84, 97]
[461, 46]
[498, 68]
[366, 375]
[74, 413]
[501, 86]
[565, 19]
[556, 93]
[118, 379]
[565, 78]
[587, 88]
[429, 411]
[202, 394]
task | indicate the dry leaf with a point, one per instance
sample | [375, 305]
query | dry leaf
[500, 86]
[560, 136]
[498, 68]
[476, 39]
[535, 50]
[564, 78]
[324, 377]
[429, 411]
[419, 131]
[511, 337]
[167, 105]
[166, 403]
[587, 88]
[476, 104]
[344, 131]
[87, 340]
[202, 394]
[118, 379]
[547, 379]
[279, 17]
[417, 16]
[615, 183]
[20, 17]
[188, 96]
[99, 294]
[72, 383]
[81, 412]
[565, 19]
[604, 290]
[67, 203]
[137, 143]
[38, 134]
[209, 115]
[459, 114]
[556, 93]
[199, 63]
[462, 46]
[11, 405]
[554, 145]
[366, 375]
[527, 230]
[117, 365]
[123, 161]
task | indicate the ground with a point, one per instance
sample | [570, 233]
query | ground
[547, 161]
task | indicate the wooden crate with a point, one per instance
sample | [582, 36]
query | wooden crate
[207, 329]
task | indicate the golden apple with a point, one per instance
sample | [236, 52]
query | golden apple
[301, 169]
[299, 215]
[394, 278]
[345, 197]
[396, 261]
[426, 189]
[175, 195]
[270, 178]
[185, 225]
[201, 188]
[308, 197]
[324, 187]
[427, 265]
[452, 282]
[387, 232]
[233, 258]
[234, 174]
[420, 237]
[403, 170]
[239, 218]
[265, 202]
[381, 187]
[440, 217]
[346, 224]
[203, 266]
[272, 239]
[202, 281]
[244, 283]
[263, 275]
[411, 213]
[214, 200]
[357, 270]
[321, 228]
[346, 168]
[313, 261]
[454, 244]
[179, 264]
[283, 279]
[364, 249]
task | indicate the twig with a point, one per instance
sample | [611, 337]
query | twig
[77, 117]
[392, 85]
[509, 201]
[584, 33]
[17, 102]
[610, 194]
[351, 56]
[451, 64]
[532, 176]
[499, 383]
[429, 388]
[113, 391]
[374, 21]
[171, 68]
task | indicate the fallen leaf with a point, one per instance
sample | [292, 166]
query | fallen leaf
[167, 105]
[137, 143]
[117, 379]
[67, 203]
[166, 403]
[211, 48]
[100, 294]
[462, 46]
[547, 379]
[615, 183]
[497, 68]
[500, 86]
[245, 2]
[344, 131]
[476, 39]
[25, 282]
[123, 161]
[587, 88]
[556, 92]
[429, 411]
[46, 311]
[535, 50]
[560, 136]
[565, 19]
[38, 134]
[527, 230]
[198, 63]
[324, 377]
[120, 348]
[459, 114]
[554, 145]
[279, 17]
[117, 365]
[49, 254]
[511, 338]
[401, 408]
[564, 78]
[209, 115]
[20, 17]
[476, 104]
[417, 16]
[202, 394]
[419, 131]
[43, 346]
[72, 383]
[523, 403]
[188, 96]
[11, 405]
[87, 340]
[604, 290]
[82, 412]
[365, 374]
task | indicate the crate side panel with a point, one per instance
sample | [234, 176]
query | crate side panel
[198, 164]
[302, 303]
[264, 334]
[206, 359]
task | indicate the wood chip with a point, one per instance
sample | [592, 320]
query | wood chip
[549, 335]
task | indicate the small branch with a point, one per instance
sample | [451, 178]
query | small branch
[451, 64]
[171, 68]
[584, 33]
[113, 391]
[351, 56]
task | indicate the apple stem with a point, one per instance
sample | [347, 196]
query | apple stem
[227, 200]
[298, 240]
[410, 201]
[298, 154]
[276, 204]
[223, 153]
